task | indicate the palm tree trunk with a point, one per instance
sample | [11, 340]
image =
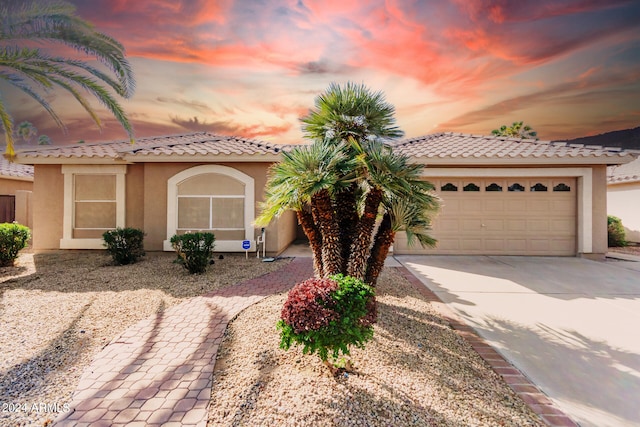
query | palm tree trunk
[347, 214]
[357, 266]
[305, 219]
[381, 244]
[324, 217]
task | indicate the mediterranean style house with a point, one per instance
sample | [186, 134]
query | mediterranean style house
[500, 195]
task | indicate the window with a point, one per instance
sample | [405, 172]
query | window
[449, 187]
[516, 187]
[493, 187]
[94, 202]
[539, 187]
[471, 187]
[94, 205]
[562, 187]
[213, 198]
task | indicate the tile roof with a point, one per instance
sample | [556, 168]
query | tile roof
[441, 148]
[177, 146]
[457, 146]
[629, 172]
[15, 170]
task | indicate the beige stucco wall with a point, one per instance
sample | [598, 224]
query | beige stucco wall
[623, 201]
[134, 204]
[48, 200]
[154, 180]
[9, 187]
[146, 203]
[599, 211]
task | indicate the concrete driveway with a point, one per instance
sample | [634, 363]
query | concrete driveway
[571, 325]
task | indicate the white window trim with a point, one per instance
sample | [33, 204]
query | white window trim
[584, 178]
[67, 241]
[249, 204]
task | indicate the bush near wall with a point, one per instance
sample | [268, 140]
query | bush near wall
[615, 232]
[125, 245]
[13, 238]
[195, 250]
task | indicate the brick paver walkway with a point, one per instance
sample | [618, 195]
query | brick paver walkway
[160, 371]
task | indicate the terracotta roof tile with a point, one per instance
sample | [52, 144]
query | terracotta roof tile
[14, 170]
[455, 145]
[193, 144]
[629, 172]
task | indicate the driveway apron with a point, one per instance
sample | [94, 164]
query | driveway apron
[571, 325]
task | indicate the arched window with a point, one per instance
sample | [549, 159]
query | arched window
[493, 187]
[212, 198]
[449, 187]
[538, 187]
[471, 187]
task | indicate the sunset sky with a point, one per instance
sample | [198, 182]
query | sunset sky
[253, 67]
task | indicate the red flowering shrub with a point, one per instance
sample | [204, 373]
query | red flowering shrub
[328, 315]
[308, 306]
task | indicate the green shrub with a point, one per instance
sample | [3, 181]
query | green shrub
[615, 232]
[195, 250]
[125, 245]
[13, 238]
[328, 315]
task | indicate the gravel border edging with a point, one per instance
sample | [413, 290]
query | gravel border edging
[517, 381]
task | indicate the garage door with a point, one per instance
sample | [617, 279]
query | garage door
[504, 216]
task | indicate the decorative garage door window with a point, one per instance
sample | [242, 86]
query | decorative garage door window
[212, 202]
[94, 205]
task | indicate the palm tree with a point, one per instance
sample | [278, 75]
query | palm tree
[44, 140]
[27, 130]
[516, 130]
[32, 70]
[345, 181]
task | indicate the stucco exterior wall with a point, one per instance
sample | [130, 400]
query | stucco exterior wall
[599, 211]
[8, 187]
[48, 207]
[134, 204]
[154, 181]
[623, 201]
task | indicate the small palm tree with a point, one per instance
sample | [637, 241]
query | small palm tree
[516, 130]
[26, 130]
[34, 71]
[348, 180]
[44, 140]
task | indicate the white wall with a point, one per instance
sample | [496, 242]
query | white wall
[623, 201]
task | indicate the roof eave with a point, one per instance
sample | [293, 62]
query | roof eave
[520, 161]
[17, 178]
[189, 158]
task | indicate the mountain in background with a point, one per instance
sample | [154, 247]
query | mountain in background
[627, 138]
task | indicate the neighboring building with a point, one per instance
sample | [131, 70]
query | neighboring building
[500, 196]
[623, 196]
[16, 184]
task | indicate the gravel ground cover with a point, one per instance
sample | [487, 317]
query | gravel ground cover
[416, 371]
[57, 310]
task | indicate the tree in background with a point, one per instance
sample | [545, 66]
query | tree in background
[26, 131]
[44, 140]
[516, 130]
[24, 23]
[347, 182]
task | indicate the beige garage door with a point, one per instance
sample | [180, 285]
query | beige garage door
[498, 216]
